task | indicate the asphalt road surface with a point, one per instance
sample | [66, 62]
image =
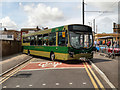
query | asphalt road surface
[43, 73]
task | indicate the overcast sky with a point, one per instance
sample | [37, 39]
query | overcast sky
[17, 14]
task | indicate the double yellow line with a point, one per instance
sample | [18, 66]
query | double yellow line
[91, 74]
[7, 76]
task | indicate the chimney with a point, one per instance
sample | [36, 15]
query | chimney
[5, 29]
[37, 28]
[114, 25]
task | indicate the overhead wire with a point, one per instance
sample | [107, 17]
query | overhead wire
[105, 10]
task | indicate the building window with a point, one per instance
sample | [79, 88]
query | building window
[9, 36]
[23, 33]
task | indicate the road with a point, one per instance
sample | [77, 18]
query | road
[43, 73]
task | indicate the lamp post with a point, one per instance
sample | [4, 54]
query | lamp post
[83, 12]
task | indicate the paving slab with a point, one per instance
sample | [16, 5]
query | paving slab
[11, 61]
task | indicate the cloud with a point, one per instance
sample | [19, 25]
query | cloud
[105, 25]
[102, 1]
[8, 23]
[103, 6]
[65, 22]
[41, 14]
[20, 4]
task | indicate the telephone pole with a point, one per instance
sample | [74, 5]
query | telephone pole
[94, 25]
[83, 17]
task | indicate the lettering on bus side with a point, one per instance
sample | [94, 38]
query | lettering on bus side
[39, 47]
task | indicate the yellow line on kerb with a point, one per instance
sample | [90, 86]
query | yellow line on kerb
[92, 80]
[14, 72]
[98, 81]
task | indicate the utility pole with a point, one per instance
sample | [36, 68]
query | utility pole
[0, 26]
[94, 25]
[96, 29]
[83, 12]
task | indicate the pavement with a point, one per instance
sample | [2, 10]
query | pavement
[108, 66]
[11, 61]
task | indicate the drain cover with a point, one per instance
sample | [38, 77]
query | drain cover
[22, 75]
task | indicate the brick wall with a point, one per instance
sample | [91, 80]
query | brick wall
[10, 47]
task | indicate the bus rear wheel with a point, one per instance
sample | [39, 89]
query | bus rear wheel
[52, 57]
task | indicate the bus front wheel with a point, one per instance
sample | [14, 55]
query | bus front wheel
[52, 56]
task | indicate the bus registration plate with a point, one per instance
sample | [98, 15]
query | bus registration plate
[82, 58]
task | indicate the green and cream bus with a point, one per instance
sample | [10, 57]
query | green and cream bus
[69, 42]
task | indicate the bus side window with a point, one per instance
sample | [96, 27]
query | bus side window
[39, 39]
[32, 40]
[45, 39]
[52, 39]
[26, 40]
[35, 40]
[62, 39]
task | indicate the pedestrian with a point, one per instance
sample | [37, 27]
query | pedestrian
[104, 42]
[95, 42]
[109, 43]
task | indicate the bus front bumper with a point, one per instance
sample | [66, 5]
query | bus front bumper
[81, 56]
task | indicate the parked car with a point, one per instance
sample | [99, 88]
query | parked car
[113, 51]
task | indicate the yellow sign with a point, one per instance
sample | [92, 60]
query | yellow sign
[56, 29]
[63, 34]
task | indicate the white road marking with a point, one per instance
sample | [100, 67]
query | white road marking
[4, 86]
[49, 64]
[18, 86]
[43, 84]
[103, 75]
[30, 85]
[70, 83]
[57, 84]
[41, 62]
[84, 83]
